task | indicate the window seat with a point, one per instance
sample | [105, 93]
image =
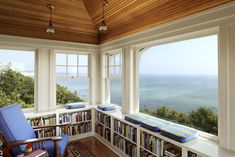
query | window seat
[201, 146]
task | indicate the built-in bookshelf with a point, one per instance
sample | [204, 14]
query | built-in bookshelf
[79, 123]
[125, 130]
[125, 137]
[151, 145]
[42, 120]
[103, 125]
[127, 147]
[121, 136]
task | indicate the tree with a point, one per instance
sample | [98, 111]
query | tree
[64, 96]
[205, 119]
[18, 88]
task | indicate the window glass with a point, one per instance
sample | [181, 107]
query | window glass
[17, 78]
[72, 60]
[61, 59]
[72, 78]
[83, 60]
[179, 82]
[115, 78]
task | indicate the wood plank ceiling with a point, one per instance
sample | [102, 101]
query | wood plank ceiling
[78, 20]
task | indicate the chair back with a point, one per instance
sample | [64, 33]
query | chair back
[14, 126]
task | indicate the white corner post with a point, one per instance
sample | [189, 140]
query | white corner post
[52, 80]
[227, 86]
[94, 70]
[129, 81]
[104, 96]
[44, 78]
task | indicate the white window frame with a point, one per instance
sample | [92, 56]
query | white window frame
[75, 78]
[107, 73]
[16, 48]
[198, 34]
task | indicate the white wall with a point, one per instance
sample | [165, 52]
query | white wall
[221, 21]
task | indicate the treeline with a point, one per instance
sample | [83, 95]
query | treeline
[203, 118]
[18, 88]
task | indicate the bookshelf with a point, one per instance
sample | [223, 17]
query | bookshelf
[79, 123]
[103, 125]
[151, 145]
[41, 121]
[125, 137]
[119, 135]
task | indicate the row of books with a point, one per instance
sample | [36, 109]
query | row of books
[103, 132]
[125, 130]
[144, 153]
[152, 143]
[75, 117]
[39, 121]
[127, 147]
[76, 129]
[45, 132]
[103, 118]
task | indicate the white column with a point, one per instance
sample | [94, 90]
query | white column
[94, 78]
[128, 82]
[227, 86]
[42, 80]
[52, 76]
[104, 97]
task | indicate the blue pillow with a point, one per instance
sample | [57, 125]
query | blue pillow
[154, 124]
[146, 121]
[179, 133]
[136, 118]
[106, 107]
[75, 105]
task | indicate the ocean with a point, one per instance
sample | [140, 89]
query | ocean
[182, 93]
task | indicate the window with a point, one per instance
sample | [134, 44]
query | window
[178, 82]
[17, 78]
[72, 78]
[115, 76]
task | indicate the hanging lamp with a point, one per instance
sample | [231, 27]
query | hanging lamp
[50, 29]
[103, 27]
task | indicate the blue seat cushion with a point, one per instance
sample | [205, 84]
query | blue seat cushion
[106, 107]
[14, 126]
[136, 118]
[49, 145]
[146, 121]
[154, 124]
[75, 105]
[179, 133]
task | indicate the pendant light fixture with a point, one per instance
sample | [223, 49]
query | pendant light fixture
[103, 27]
[50, 29]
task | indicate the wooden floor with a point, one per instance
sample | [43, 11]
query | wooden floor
[98, 148]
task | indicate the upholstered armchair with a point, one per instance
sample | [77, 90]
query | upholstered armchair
[16, 132]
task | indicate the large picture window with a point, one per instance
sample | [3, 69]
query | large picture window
[17, 78]
[179, 82]
[115, 78]
[72, 78]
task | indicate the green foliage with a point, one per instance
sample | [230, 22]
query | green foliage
[64, 96]
[18, 88]
[203, 119]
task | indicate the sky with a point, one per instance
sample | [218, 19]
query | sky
[197, 56]
[20, 60]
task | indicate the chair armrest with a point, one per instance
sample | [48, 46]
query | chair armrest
[38, 142]
[51, 126]
[35, 140]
